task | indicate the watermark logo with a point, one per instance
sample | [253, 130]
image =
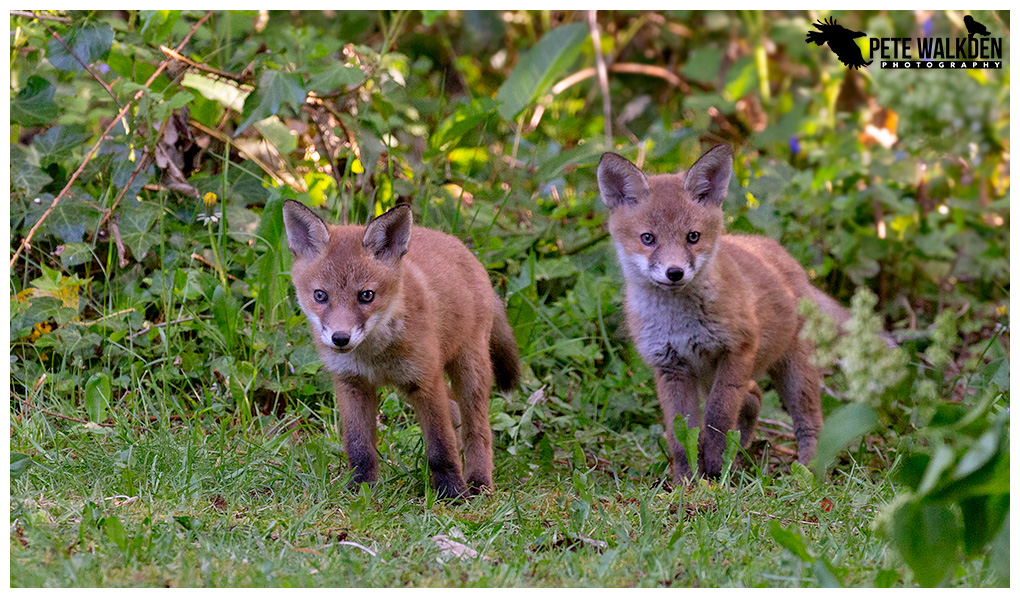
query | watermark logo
[840, 40]
[979, 50]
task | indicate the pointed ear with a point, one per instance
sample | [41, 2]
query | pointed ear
[620, 182]
[307, 234]
[709, 178]
[388, 236]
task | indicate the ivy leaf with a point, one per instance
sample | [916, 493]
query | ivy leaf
[27, 178]
[333, 76]
[275, 90]
[89, 43]
[19, 464]
[538, 67]
[59, 143]
[34, 104]
[75, 254]
[136, 219]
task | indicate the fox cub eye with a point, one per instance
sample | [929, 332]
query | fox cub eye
[366, 296]
[320, 296]
[647, 238]
[693, 236]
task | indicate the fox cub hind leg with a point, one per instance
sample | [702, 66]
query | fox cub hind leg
[471, 376]
[747, 421]
[797, 382]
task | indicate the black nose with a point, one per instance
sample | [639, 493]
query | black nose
[674, 274]
[340, 340]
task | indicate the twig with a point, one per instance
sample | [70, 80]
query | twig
[198, 257]
[633, 68]
[92, 152]
[171, 323]
[202, 67]
[600, 63]
[74, 419]
[32, 15]
[773, 422]
[121, 251]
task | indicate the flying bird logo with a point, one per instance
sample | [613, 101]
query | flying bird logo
[841, 42]
[974, 27]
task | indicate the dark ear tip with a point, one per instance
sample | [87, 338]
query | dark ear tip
[610, 156]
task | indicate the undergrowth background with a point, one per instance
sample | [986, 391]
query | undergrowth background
[171, 423]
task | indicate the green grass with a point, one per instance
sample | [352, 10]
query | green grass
[207, 502]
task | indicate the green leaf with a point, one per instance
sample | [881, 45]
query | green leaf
[59, 143]
[34, 104]
[277, 133]
[275, 90]
[886, 578]
[537, 68]
[688, 439]
[703, 65]
[115, 532]
[928, 538]
[136, 219]
[333, 76]
[790, 540]
[27, 178]
[982, 518]
[75, 254]
[20, 464]
[465, 118]
[585, 154]
[842, 426]
[89, 42]
[97, 397]
[428, 17]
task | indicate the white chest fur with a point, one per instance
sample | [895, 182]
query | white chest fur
[676, 330]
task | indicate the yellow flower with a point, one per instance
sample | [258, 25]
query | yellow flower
[209, 199]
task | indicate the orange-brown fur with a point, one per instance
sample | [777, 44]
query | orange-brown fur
[433, 312]
[730, 318]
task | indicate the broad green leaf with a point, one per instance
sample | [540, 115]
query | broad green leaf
[59, 143]
[75, 254]
[27, 177]
[34, 104]
[846, 423]
[90, 42]
[928, 538]
[333, 76]
[275, 90]
[703, 65]
[278, 134]
[428, 17]
[465, 118]
[115, 531]
[19, 464]
[982, 518]
[537, 69]
[136, 220]
[74, 216]
[586, 154]
[790, 540]
[97, 397]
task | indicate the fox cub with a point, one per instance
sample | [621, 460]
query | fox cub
[710, 312]
[395, 306]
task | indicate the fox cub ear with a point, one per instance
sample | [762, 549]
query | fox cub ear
[388, 236]
[709, 178]
[620, 182]
[307, 234]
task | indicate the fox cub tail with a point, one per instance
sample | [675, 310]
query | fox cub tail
[506, 362]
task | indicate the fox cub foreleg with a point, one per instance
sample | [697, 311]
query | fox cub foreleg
[358, 405]
[678, 395]
[723, 408]
[431, 403]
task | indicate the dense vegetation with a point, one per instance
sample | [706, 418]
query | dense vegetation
[171, 423]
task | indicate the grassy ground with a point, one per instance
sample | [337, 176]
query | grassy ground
[206, 502]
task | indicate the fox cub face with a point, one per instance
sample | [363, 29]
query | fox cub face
[665, 227]
[348, 284]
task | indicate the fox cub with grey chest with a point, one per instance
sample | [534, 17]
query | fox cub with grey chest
[710, 312]
[401, 307]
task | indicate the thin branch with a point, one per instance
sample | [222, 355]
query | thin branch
[92, 152]
[600, 63]
[32, 15]
[633, 68]
[202, 67]
[294, 183]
